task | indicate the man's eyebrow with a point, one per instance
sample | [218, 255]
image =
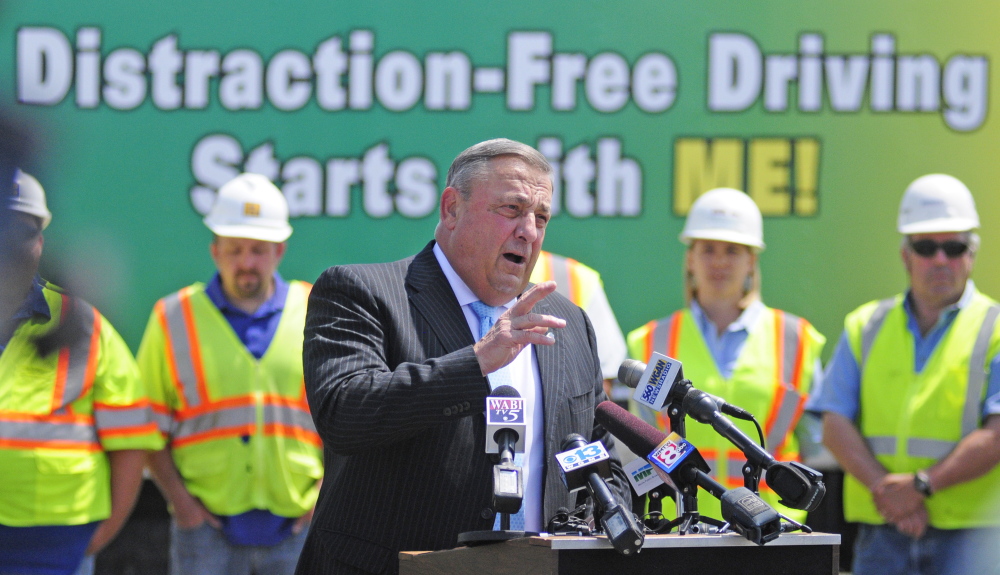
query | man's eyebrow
[514, 196]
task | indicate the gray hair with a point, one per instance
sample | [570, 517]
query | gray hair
[473, 163]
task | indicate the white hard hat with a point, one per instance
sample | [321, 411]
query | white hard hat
[726, 215]
[250, 206]
[29, 198]
[937, 203]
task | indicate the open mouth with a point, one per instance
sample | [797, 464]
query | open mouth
[514, 258]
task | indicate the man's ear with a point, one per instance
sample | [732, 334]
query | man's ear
[450, 199]
[905, 255]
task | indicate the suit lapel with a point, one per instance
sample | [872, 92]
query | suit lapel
[550, 364]
[432, 296]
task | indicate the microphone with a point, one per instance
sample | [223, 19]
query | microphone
[584, 465]
[505, 430]
[649, 388]
[505, 420]
[798, 486]
[676, 459]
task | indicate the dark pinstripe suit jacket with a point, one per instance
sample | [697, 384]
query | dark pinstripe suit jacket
[398, 398]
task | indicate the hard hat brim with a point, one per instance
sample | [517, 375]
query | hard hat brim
[41, 213]
[939, 225]
[723, 236]
[275, 235]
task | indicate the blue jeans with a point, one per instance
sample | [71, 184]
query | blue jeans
[86, 566]
[882, 550]
[205, 551]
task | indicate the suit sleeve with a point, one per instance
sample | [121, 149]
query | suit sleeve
[359, 401]
[620, 482]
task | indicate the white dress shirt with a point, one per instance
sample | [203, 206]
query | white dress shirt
[526, 380]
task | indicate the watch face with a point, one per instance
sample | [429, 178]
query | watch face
[921, 483]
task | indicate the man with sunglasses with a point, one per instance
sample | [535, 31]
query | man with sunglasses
[911, 398]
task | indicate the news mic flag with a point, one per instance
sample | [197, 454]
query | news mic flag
[505, 411]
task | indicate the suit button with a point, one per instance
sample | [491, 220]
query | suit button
[455, 409]
[486, 513]
[447, 411]
[465, 406]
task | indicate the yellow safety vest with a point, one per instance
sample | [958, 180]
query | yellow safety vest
[240, 429]
[574, 281]
[771, 379]
[913, 420]
[60, 413]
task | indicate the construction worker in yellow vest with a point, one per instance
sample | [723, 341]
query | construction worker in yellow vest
[224, 363]
[582, 285]
[733, 346]
[911, 398]
[75, 420]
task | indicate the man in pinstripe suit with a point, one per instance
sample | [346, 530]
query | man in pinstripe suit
[397, 380]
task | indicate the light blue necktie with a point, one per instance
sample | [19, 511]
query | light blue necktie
[487, 317]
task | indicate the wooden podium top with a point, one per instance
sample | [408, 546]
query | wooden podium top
[552, 554]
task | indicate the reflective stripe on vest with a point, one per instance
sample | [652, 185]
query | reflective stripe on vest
[77, 362]
[872, 328]
[935, 448]
[915, 447]
[16, 430]
[559, 270]
[184, 351]
[161, 415]
[788, 400]
[115, 420]
[242, 420]
[566, 272]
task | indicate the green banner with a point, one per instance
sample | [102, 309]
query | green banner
[822, 112]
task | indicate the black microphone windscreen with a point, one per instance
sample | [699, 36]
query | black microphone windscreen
[630, 372]
[505, 391]
[640, 437]
[573, 440]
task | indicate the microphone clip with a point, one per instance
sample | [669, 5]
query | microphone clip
[566, 522]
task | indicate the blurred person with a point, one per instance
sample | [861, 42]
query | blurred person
[910, 401]
[224, 364]
[582, 285]
[75, 420]
[400, 357]
[732, 345]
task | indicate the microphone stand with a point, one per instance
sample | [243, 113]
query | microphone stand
[687, 521]
[503, 500]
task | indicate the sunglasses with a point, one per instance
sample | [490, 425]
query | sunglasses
[929, 248]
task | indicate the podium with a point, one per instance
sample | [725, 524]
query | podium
[790, 554]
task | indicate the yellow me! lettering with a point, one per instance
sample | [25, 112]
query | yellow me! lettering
[780, 174]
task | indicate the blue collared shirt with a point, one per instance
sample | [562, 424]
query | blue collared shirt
[725, 348]
[255, 330]
[840, 391]
[34, 305]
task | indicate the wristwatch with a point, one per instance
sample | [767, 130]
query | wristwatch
[922, 483]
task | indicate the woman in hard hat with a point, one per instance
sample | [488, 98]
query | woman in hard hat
[730, 344]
